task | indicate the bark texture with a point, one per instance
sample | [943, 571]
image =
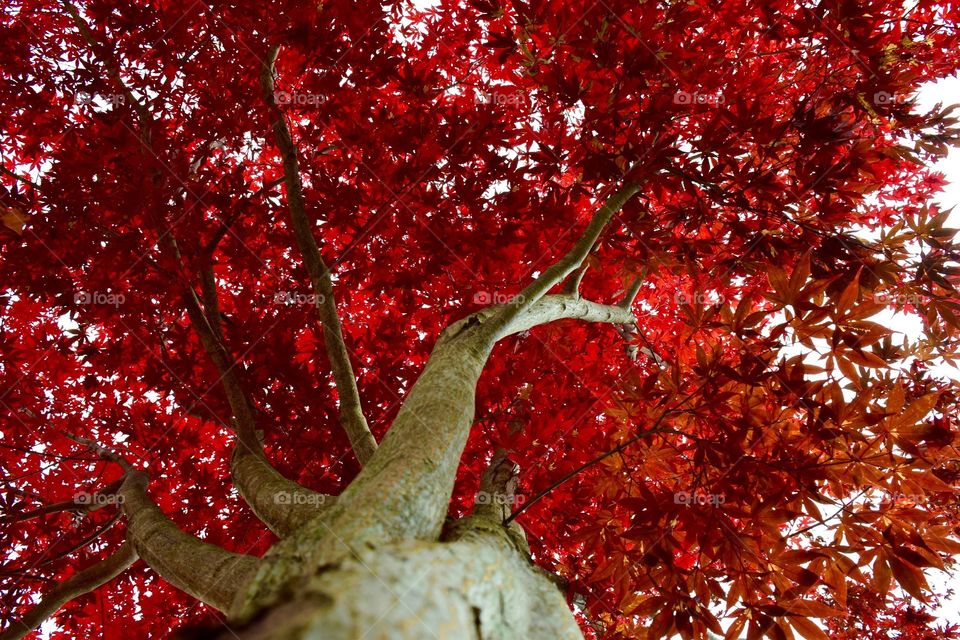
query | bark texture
[205, 571]
[479, 585]
[283, 505]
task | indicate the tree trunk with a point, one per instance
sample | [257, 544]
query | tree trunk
[377, 562]
[476, 583]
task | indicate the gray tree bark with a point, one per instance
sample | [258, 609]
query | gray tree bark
[479, 585]
[476, 582]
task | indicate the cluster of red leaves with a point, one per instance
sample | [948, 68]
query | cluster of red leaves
[872, 616]
[449, 154]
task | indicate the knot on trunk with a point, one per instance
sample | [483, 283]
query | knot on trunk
[498, 485]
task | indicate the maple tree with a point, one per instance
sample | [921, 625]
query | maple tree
[549, 319]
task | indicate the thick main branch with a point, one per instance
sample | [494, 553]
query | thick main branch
[205, 571]
[280, 503]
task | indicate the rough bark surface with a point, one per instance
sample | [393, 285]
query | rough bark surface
[479, 585]
[205, 571]
[283, 505]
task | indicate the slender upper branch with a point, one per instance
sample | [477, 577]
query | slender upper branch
[75, 505]
[240, 407]
[20, 178]
[351, 413]
[632, 291]
[113, 71]
[555, 273]
[278, 502]
[75, 586]
[211, 305]
[656, 428]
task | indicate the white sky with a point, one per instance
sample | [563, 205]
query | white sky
[948, 92]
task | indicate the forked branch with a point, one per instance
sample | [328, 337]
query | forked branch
[404, 491]
[558, 271]
[572, 286]
[280, 503]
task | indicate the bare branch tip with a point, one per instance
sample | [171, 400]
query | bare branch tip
[632, 291]
[102, 451]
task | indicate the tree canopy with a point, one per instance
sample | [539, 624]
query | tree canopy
[243, 226]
